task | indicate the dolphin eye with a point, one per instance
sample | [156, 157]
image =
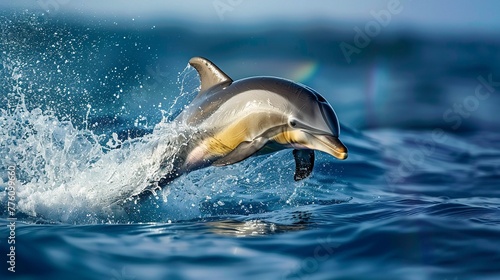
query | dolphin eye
[293, 123]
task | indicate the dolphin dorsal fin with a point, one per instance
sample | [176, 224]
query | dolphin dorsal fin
[210, 74]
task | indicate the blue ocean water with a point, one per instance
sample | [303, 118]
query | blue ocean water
[418, 197]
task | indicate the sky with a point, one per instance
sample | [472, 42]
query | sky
[442, 15]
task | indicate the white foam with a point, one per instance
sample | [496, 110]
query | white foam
[66, 174]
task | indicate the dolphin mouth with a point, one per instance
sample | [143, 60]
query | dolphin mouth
[330, 145]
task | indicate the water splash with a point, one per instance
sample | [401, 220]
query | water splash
[66, 174]
[72, 169]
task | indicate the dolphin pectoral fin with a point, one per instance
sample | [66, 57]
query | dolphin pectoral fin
[304, 163]
[210, 74]
[242, 151]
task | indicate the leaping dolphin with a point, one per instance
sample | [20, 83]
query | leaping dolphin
[254, 116]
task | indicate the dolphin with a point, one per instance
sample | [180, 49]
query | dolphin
[254, 116]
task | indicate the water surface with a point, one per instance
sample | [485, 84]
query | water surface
[82, 107]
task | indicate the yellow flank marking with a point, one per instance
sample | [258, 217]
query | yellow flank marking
[245, 129]
[229, 138]
[215, 147]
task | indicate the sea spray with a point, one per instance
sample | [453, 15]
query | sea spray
[66, 173]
